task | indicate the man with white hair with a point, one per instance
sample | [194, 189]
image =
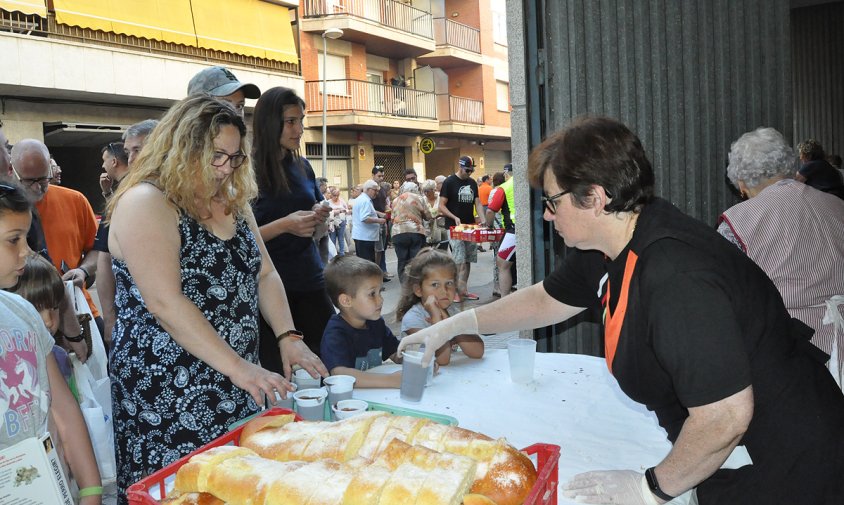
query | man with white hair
[366, 223]
[67, 218]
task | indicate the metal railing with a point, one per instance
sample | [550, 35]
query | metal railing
[16, 22]
[452, 33]
[350, 95]
[459, 109]
[386, 12]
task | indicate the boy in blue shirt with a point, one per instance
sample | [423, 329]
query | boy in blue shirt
[357, 338]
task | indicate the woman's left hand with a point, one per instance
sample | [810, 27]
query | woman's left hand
[295, 352]
[260, 383]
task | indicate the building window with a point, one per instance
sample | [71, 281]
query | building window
[499, 22]
[502, 95]
[335, 74]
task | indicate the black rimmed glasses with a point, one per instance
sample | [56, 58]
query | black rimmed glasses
[550, 202]
[235, 160]
[41, 182]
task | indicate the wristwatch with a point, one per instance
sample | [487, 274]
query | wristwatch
[76, 339]
[290, 333]
[653, 484]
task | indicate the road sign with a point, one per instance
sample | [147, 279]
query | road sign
[427, 145]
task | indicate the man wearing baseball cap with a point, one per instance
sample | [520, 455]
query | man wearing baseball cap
[221, 83]
[458, 203]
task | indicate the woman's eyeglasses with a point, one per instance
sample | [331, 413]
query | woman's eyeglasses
[550, 202]
[235, 160]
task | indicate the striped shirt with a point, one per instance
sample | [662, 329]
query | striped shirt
[795, 233]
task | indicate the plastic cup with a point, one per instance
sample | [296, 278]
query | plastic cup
[345, 409]
[310, 403]
[303, 380]
[285, 403]
[340, 387]
[522, 352]
[413, 377]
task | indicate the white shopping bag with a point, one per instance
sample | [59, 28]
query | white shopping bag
[95, 403]
[98, 361]
[833, 317]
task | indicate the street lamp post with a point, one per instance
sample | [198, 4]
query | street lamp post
[331, 33]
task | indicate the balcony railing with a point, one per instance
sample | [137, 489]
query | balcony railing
[349, 95]
[386, 12]
[452, 33]
[16, 22]
[459, 109]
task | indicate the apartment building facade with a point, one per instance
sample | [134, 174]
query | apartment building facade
[76, 73]
[408, 84]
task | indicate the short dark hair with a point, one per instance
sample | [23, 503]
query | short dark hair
[344, 274]
[498, 178]
[116, 150]
[484, 178]
[13, 198]
[377, 168]
[596, 151]
[41, 285]
[409, 171]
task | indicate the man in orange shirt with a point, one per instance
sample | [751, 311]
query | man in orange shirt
[67, 218]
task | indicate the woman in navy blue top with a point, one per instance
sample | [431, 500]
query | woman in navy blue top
[288, 212]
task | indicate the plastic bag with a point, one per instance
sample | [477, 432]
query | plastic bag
[95, 403]
[97, 361]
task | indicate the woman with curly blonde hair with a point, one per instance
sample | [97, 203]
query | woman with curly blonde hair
[191, 274]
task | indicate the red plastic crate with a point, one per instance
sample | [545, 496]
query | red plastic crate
[477, 235]
[544, 491]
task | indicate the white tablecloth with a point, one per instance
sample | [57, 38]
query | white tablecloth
[573, 402]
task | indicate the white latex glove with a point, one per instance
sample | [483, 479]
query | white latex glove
[434, 336]
[612, 487]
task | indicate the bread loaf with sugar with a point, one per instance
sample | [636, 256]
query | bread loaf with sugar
[403, 474]
[501, 472]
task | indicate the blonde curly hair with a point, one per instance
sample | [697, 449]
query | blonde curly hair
[177, 158]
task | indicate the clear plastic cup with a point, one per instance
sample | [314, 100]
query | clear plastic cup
[413, 377]
[522, 353]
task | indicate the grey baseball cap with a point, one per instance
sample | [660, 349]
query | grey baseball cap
[219, 81]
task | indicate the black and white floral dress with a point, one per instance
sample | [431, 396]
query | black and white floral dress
[166, 402]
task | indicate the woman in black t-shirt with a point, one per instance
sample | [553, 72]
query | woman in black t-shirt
[693, 329]
[288, 213]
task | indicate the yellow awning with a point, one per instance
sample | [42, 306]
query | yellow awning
[37, 7]
[248, 27]
[164, 20]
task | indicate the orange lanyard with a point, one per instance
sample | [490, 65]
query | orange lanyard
[614, 322]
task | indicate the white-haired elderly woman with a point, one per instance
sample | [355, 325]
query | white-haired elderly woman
[437, 233]
[791, 230]
[409, 214]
